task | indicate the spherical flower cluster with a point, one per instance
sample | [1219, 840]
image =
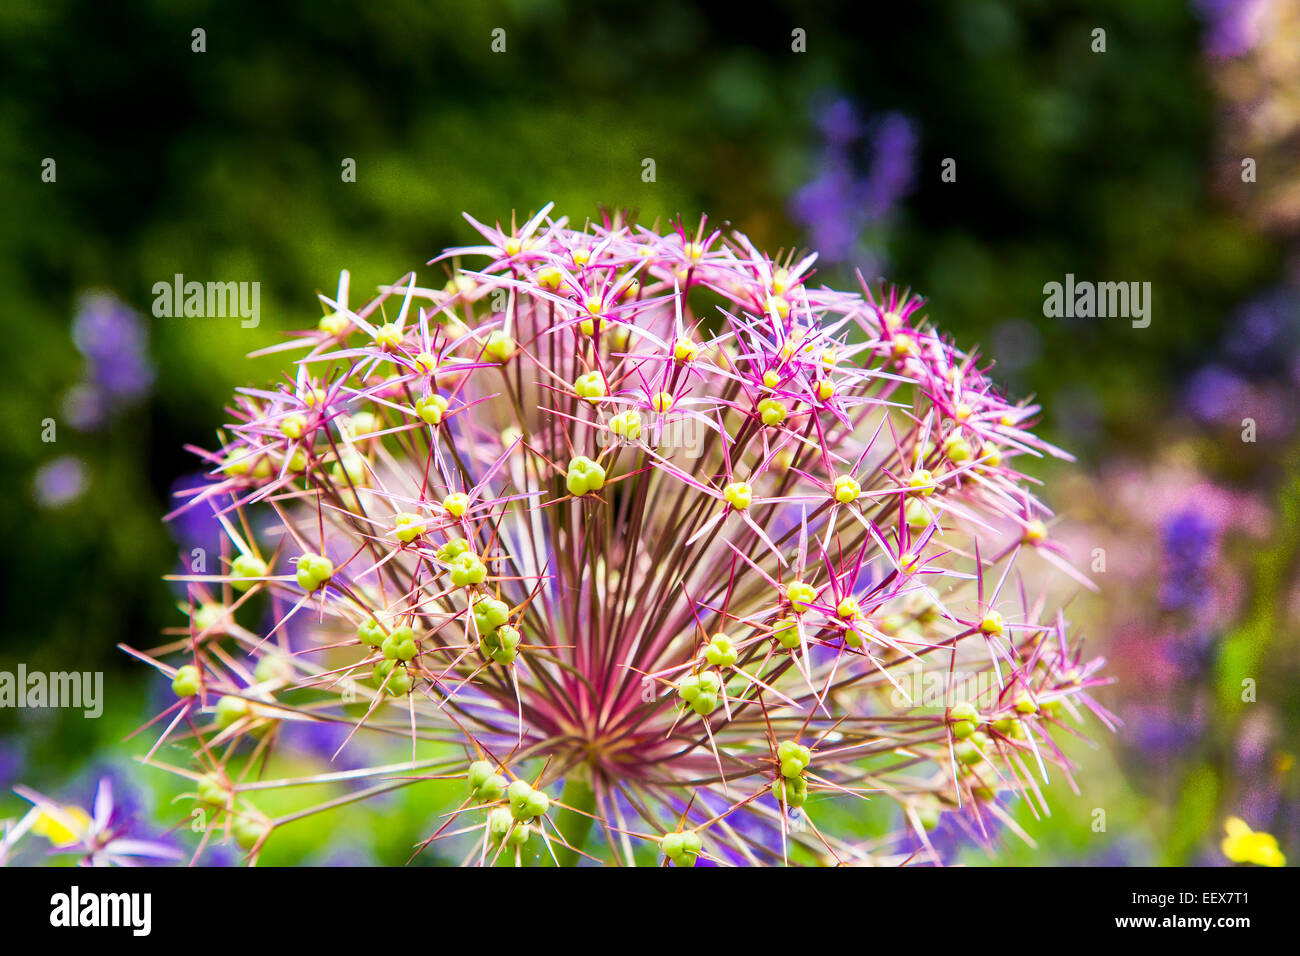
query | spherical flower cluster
[646, 540]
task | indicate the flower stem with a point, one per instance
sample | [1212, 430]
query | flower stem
[575, 826]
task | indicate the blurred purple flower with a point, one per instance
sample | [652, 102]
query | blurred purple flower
[957, 830]
[118, 373]
[102, 837]
[1214, 394]
[1263, 330]
[59, 482]
[197, 526]
[1189, 543]
[840, 201]
[323, 739]
[115, 343]
[1232, 26]
[12, 761]
[1160, 733]
[892, 165]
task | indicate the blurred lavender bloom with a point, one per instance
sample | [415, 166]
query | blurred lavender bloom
[12, 761]
[1189, 542]
[893, 165]
[195, 527]
[840, 201]
[323, 739]
[840, 122]
[1263, 331]
[1214, 394]
[84, 407]
[957, 831]
[826, 207]
[1159, 733]
[1232, 26]
[113, 339]
[1118, 853]
[59, 482]
[1191, 653]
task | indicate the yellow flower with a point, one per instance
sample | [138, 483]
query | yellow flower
[1244, 845]
[69, 826]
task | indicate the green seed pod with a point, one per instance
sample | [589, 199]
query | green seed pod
[349, 469]
[272, 667]
[786, 633]
[688, 688]
[793, 755]
[538, 804]
[705, 704]
[682, 848]
[801, 596]
[1025, 705]
[501, 645]
[370, 632]
[969, 751]
[213, 791]
[399, 684]
[489, 614]
[207, 618]
[248, 831]
[499, 823]
[467, 569]
[453, 549]
[964, 710]
[519, 791]
[400, 644]
[244, 569]
[720, 652]
[525, 802]
[313, 571]
[231, 709]
[500, 347]
[479, 771]
[407, 526]
[493, 789]
[590, 386]
[431, 409]
[626, 425]
[584, 477]
[186, 682]
[484, 784]
[792, 791]
[772, 411]
[928, 811]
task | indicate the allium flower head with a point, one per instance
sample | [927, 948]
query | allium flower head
[645, 539]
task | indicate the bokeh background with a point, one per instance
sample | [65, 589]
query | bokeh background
[1121, 165]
